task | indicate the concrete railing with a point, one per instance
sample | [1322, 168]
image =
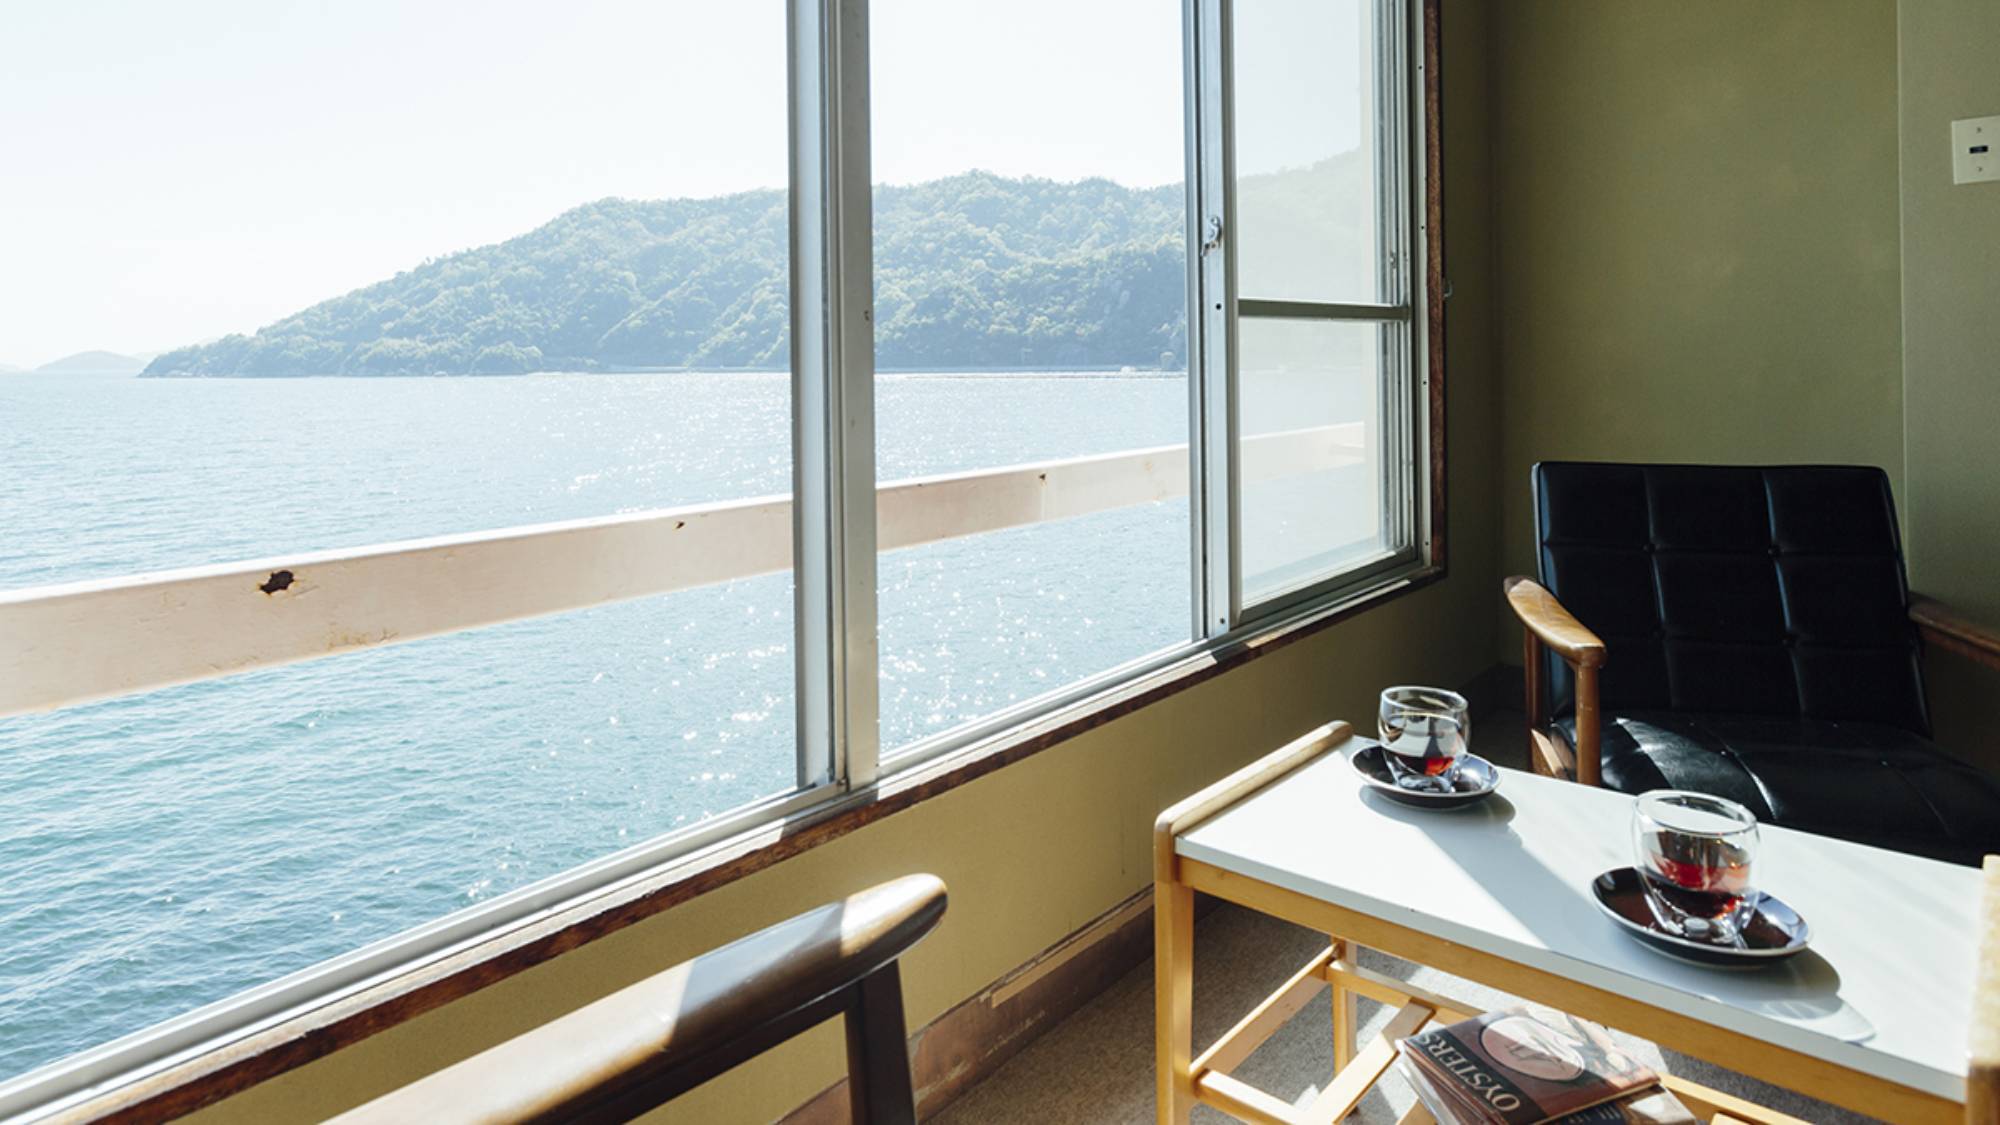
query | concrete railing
[69, 644]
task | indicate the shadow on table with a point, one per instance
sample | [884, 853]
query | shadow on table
[1803, 990]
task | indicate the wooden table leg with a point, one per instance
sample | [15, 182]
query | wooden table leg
[1173, 1017]
[1173, 912]
[1346, 1013]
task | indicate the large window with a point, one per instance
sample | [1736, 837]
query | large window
[877, 376]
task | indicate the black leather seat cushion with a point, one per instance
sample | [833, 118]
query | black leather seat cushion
[1867, 782]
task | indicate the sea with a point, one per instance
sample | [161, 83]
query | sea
[163, 851]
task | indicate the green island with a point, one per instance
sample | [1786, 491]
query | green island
[972, 272]
[975, 270]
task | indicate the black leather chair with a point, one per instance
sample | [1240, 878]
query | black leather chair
[1746, 632]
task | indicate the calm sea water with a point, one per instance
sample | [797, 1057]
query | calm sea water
[167, 850]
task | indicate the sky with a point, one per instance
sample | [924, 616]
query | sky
[170, 173]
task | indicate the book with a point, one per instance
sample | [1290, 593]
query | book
[1651, 1106]
[1521, 1066]
[1654, 1106]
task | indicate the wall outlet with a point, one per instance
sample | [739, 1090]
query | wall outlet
[1975, 150]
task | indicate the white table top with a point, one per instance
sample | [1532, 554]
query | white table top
[1885, 989]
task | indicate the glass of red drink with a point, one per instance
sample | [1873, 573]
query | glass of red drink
[1424, 731]
[1694, 853]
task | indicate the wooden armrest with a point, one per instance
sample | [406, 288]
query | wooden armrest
[1952, 631]
[1547, 623]
[664, 1033]
[1546, 618]
[1550, 756]
[1982, 1077]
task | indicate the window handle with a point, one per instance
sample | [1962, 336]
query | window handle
[1211, 238]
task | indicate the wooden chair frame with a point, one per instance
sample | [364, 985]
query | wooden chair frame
[1546, 623]
[618, 1057]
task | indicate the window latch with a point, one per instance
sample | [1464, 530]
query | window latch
[1211, 235]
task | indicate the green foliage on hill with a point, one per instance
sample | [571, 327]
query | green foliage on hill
[973, 271]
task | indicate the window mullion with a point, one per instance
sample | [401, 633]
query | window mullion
[1212, 312]
[833, 365]
[1399, 416]
[1419, 26]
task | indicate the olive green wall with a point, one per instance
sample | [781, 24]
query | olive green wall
[1951, 349]
[1696, 224]
[1727, 232]
[1038, 849]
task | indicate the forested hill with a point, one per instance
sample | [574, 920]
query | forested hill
[974, 271]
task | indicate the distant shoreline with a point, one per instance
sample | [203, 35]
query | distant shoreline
[899, 372]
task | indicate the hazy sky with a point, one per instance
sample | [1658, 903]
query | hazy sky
[171, 172]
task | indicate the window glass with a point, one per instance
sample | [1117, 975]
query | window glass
[1030, 305]
[285, 282]
[1309, 213]
[1311, 452]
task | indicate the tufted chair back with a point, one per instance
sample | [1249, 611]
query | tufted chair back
[1774, 590]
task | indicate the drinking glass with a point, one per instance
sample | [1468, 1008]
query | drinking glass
[1424, 732]
[1694, 853]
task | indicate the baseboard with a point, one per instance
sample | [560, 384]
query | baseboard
[967, 1044]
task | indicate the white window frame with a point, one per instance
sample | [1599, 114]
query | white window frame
[74, 643]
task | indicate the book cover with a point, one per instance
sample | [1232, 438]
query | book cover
[1523, 1065]
[1651, 1106]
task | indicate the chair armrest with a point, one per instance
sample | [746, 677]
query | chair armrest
[1547, 623]
[1555, 626]
[1550, 756]
[1949, 630]
[628, 1052]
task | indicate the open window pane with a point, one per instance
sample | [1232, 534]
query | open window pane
[1310, 197]
[1311, 451]
[487, 271]
[1030, 306]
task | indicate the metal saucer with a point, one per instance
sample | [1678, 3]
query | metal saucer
[1775, 931]
[1477, 778]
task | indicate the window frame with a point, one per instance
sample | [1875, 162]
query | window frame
[1404, 168]
[843, 784]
